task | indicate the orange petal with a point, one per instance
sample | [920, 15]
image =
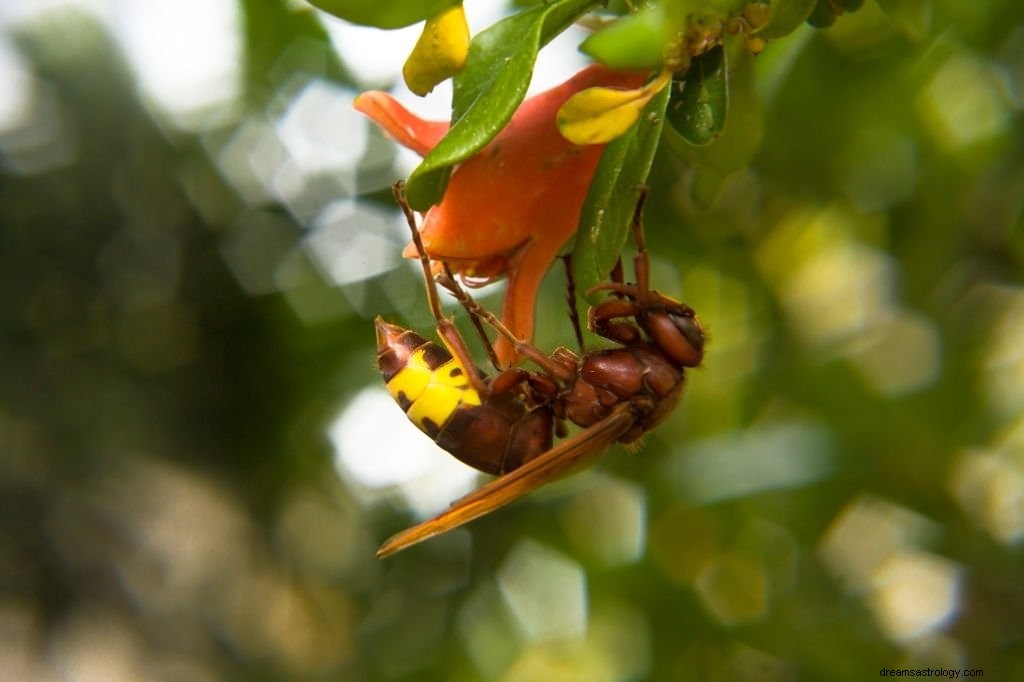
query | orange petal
[525, 190]
[491, 204]
[524, 279]
[408, 129]
[514, 204]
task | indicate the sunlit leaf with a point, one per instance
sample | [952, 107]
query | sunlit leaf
[599, 115]
[489, 89]
[611, 200]
[634, 42]
[700, 100]
[440, 53]
[383, 13]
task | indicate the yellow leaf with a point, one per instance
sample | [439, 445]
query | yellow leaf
[599, 115]
[440, 53]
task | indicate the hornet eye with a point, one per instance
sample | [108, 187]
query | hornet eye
[679, 335]
[691, 329]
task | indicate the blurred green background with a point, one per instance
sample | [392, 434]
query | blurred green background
[197, 460]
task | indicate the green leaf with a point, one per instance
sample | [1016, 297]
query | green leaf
[383, 13]
[611, 200]
[636, 41]
[734, 149]
[488, 90]
[787, 16]
[700, 101]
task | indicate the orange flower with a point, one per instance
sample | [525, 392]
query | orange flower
[510, 208]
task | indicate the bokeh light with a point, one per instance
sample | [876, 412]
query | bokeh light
[398, 456]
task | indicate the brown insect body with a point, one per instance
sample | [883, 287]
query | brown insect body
[495, 433]
[639, 376]
[504, 425]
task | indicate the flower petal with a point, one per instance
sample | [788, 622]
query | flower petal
[510, 208]
[408, 129]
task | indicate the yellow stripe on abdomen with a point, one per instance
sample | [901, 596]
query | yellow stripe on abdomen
[409, 383]
[430, 396]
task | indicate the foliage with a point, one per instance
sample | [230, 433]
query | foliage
[839, 492]
[488, 91]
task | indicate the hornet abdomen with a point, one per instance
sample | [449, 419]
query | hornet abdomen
[493, 433]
